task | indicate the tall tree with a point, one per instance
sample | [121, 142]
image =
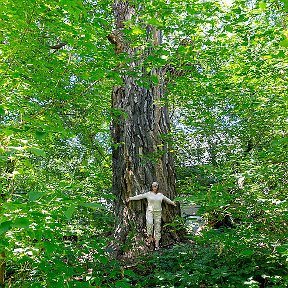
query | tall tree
[140, 126]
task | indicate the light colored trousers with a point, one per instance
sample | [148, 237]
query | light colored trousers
[154, 217]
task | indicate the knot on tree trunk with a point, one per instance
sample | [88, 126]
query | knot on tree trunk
[117, 40]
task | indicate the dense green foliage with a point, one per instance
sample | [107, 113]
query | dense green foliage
[226, 88]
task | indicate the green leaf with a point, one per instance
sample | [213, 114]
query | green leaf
[155, 79]
[130, 273]
[21, 222]
[70, 211]
[5, 226]
[284, 43]
[8, 132]
[262, 5]
[40, 134]
[229, 28]
[283, 249]
[50, 247]
[102, 259]
[2, 111]
[33, 196]
[247, 252]
[280, 54]
[137, 31]
[122, 284]
[37, 151]
[155, 22]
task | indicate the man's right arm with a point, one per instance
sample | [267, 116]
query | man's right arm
[137, 197]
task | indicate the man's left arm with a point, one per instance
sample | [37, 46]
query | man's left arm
[169, 201]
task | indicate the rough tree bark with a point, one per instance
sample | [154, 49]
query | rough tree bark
[140, 128]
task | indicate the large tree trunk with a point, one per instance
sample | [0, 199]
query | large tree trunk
[141, 146]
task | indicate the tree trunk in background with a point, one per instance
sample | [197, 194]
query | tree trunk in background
[141, 152]
[2, 269]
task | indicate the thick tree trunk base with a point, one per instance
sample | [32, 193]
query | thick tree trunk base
[141, 247]
[131, 239]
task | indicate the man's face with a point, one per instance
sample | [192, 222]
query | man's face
[155, 185]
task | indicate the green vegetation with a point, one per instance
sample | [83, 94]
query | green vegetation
[226, 78]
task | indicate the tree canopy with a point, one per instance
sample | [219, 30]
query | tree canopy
[225, 68]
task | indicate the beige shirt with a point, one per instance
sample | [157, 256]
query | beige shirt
[154, 200]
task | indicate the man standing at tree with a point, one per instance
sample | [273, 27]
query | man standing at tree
[153, 212]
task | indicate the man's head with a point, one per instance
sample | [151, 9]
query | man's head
[155, 186]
